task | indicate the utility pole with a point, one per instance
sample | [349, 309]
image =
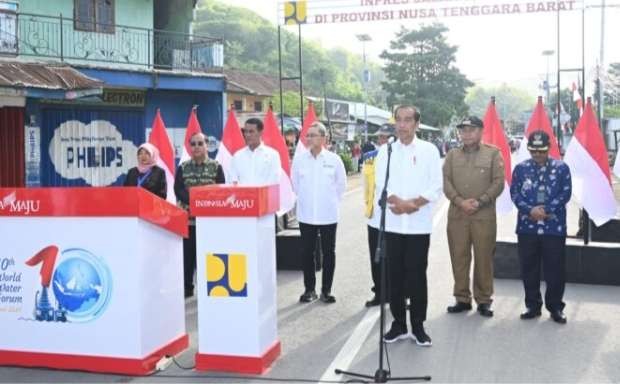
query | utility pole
[364, 38]
[601, 93]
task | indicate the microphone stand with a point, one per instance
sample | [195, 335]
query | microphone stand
[382, 375]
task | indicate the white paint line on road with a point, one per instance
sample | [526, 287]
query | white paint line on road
[350, 349]
[354, 343]
[347, 193]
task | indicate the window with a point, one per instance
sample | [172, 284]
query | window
[94, 15]
[258, 106]
[238, 105]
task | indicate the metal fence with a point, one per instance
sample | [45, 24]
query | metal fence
[80, 42]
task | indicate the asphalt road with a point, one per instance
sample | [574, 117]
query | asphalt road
[316, 338]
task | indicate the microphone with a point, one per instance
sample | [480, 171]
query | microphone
[391, 139]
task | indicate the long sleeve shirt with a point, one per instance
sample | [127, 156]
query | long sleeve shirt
[260, 166]
[415, 171]
[549, 185]
[368, 171]
[319, 183]
[476, 173]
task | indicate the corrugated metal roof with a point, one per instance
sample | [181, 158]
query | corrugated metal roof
[256, 83]
[45, 76]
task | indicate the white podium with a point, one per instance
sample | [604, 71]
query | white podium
[90, 279]
[236, 277]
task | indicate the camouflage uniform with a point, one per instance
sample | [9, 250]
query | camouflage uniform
[191, 174]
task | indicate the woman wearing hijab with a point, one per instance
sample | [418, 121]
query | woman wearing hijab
[147, 175]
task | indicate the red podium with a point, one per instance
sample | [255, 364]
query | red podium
[90, 279]
[235, 249]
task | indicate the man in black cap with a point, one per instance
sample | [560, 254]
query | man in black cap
[473, 177]
[541, 188]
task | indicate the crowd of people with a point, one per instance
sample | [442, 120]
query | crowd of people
[403, 175]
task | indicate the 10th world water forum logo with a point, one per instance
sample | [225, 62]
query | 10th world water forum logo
[227, 275]
[81, 285]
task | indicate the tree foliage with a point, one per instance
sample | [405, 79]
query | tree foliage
[510, 102]
[251, 44]
[420, 70]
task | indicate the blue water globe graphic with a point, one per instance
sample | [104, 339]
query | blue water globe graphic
[82, 285]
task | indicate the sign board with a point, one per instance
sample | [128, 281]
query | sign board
[347, 11]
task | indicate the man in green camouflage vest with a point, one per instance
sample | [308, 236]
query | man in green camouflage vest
[199, 170]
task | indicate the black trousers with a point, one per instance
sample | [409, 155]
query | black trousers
[309, 234]
[375, 268]
[550, 251]
[407, 257]
[189, 259]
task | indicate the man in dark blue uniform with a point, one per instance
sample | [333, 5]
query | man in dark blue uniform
[540, 189]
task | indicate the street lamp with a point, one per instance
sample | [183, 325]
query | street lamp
[364, 38]
[548, 53]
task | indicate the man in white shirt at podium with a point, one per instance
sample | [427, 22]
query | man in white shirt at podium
[319, 180]
[256, 164]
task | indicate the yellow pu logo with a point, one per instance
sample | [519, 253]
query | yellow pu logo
[295, 12]
[227, 274]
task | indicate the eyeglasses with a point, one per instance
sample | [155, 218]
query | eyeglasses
[313, 135]
[196, 143]
[539, 151]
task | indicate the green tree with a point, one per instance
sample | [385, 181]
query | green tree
[291, 104]
[251, 44]
[420, 70]
[510, 101]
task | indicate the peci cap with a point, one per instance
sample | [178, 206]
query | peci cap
[538, 141]
[386, 130]
[471, 121]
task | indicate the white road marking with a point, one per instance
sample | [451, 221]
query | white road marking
[358, 337]
[347, 193]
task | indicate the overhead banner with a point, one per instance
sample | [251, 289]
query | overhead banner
[350, 11]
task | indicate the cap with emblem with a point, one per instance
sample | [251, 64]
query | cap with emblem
[386, 130]
[538, 141]
[471, 121]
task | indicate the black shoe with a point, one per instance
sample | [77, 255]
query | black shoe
[308, 297]
[459, 307]
[559, 317]
[327, 298]
[530, 314]
[189, 292]
[484, 309]
[396, 333]
[420, 336]
[373, 302]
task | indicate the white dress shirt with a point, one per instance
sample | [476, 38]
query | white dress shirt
[415, 171]
[319, 183]
[260, 166]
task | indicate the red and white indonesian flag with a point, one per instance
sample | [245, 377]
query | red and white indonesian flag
[160, 139]
[302, 146]
[193, 127]
[577, 98]
[272, 137]
[232, 141]
[586, 156]
[538, 121]
[493, 134]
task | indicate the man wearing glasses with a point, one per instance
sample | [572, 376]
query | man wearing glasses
[414, 184]
[256, 164]
[541, 188]
[319, 180]
[473, 177]
[197, 171]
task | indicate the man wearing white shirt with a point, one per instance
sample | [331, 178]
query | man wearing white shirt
[415, 182]
[256, 164]
[319, 179]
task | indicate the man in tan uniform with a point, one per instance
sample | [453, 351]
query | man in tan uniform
[473, 177]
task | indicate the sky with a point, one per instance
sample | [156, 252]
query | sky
[493, 50]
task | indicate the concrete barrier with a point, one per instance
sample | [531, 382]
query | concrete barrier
[595, 263]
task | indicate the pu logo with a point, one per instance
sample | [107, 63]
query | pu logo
[227, 275]
[295, 12]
